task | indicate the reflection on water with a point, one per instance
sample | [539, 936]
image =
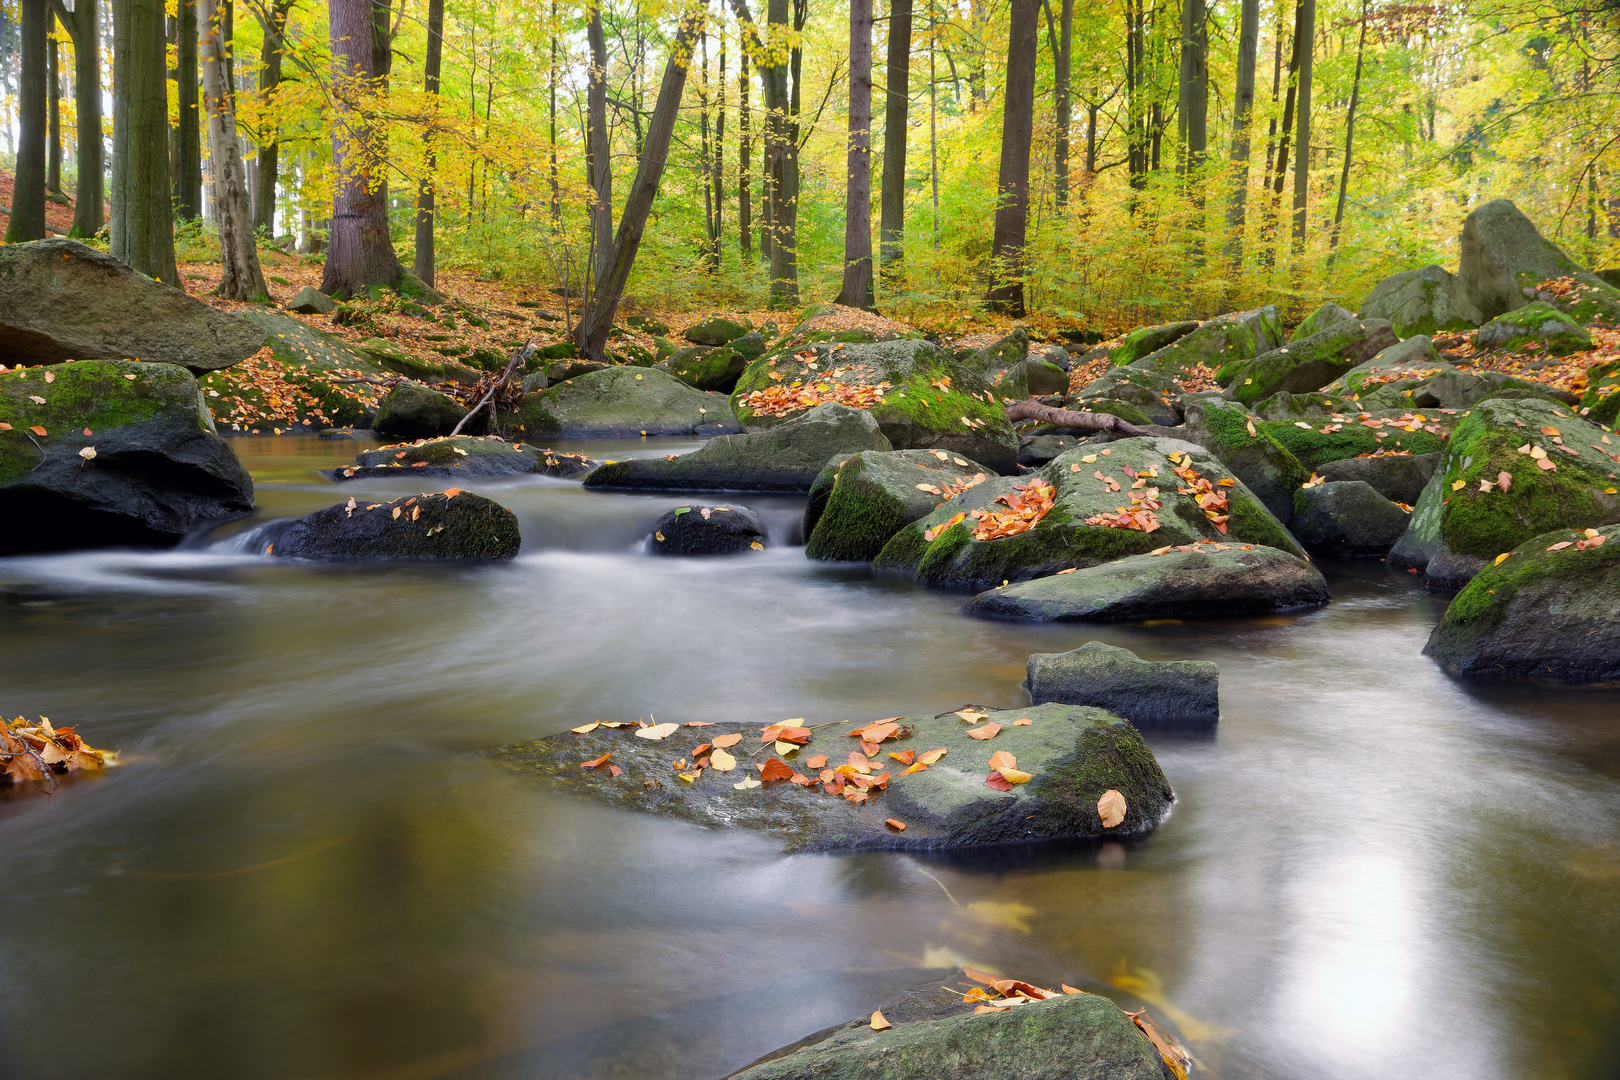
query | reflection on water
[308, 869]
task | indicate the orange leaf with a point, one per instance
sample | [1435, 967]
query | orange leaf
[989, 731]
[1067, 989]
[701, 749]
[614, 770]
[1003, 760]
[979, 976]
[859, 761]
[37, 430]
[721, 742]
[1009, 987]
[918, 767]
[1023, 721]
[817, 762]
[598, 761]
[775, 769]
[994, 780]
[800, 779]
[897, 826]
[869, 748]
[1015, 776]
[991, 1008]
[881, 780]
[1111, 808]
[904, 757]
[931, 756]
[450, 493]
[786, 733]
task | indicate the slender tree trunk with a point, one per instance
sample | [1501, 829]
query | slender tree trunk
[88, 216]
[188, 201]
[1062, 96]
[598, 154]
[1012, 181]
[896, 115]
[1242, 114]
[720, 154]
[360, 252]
[424, 267]
[1302, 148]
[745, 223]
[1285, 132]
[857, 286]
[268, 164]
[1193, 84]
[1135, 95]
[142, 233]
[551, 93]
[933, 120]
[1349, 140]
[241, 278]
[706, 158]
[27, 220]
[53, 141]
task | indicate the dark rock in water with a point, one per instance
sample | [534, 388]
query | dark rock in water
[784, 458]
[1397, 477]
[1070, 1037]
[1039, 449]
[1073, 753]
[858, 503]
[311, 301]
[1142, 691]
[717, 330]
[1539, 325]
[1203, 581]
[1505, 260]
[413, 411]
[707, 530]
[110, 453]
[467, 457]
[1540, 613]
[621, 401]
[1347, 517]
[452, 525]
[342, 434]
[61, 300]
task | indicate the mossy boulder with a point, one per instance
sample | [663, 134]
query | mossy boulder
[311, 301]
[1347, 517]
[1429, 301]
[442, 526]
[1145, 692]
[1505, 261]
[1324, 316]
[414, 411]
[1397, 477]
[932, 402]
[115, 453]
[1207, 580]
[1308, 364]
[1537, 326]
[1035, 450]
[1601, 403]
[1266, 467]
[647, 324]
[1062, 539]
[784, 458]
[717, 330]
[466, 457]
[706, 368]
[1239, 335]
[700, 529]
[1074, 754]
[1411, 361]
[386, 354]
[857, 503]
[309, 359]
[1286, 406]
[559, 371]
[1148, 339]
[1030, 377]
[991, 354]
[828, 324]
[1319, 442]
[1540, 613]
[1157, 395]
[61, 300]
[624, 401]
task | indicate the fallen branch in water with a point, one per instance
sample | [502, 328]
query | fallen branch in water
[1068, 418]
[519, 357]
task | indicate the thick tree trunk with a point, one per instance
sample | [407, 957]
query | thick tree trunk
[240, 278]
[1012, 180]
[267, 167]
[53, 139]
[857, 285]
[1349, 144]
[433, 60]
[1242, 114]
[89, 189]
[142, 233]
[188, 135]
[27, 220]
[1193, 84]
[896, 112]
[784, 157]
[745, 216]
[598, 154]
[1302, 145]
[360, 252]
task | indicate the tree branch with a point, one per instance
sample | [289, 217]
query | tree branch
[1068, 418]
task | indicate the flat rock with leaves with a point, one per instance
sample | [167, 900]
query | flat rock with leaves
[452, 524]
[469, 457]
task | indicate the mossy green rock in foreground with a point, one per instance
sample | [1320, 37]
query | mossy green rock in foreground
[441, 526]
[932, 402]
[111, 453]
[625, 401]
[1540, 613]
[1303, 366]
[1072, 1037]
[1181, 692]
[1324, 440]
[859, 502]
[467, 457]
[1062, 539]
[1075, 754]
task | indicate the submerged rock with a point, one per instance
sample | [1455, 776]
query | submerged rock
[1142, 691]
[1073, 754]
[859, 502]
[707, 530]
[784, 458]
[110, 453]
[1540, 613]
[450, 525]
[625, 401]
[468, 457]
[1347, 517]
[1207, 579]
[1425, 301]
[61, 300]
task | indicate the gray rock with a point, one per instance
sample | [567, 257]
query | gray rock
[1347, 517]
[1074, 754]
[706, 530]
[311, 301]
[1323, 317]
[459, 526]
[857, 503]
[625, 401]
[1240, 335]
[1055, 355]
[647, 324]
[1148, 339]
[1205, 580]
[1156, 394]
[1031, 377]
[784, 458]
[1039, 449]
[717, 330]
[151, 468]
[1309, 364]
[1425, 301]
[413, 411]
[466, 457]
[1609, 277]
[1143, 692]
[1538, 324]
[1505, 261]
[989, 354]
[1397, 477]
[61, 300]
[706, 368]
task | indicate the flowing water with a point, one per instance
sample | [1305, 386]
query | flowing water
[308, 867]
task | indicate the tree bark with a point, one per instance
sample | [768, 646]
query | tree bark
[1193, 84]
[27, 220]
[88, 217]
[1285, 131]
[268, 164]
[360, 252]
[142, 233]
[720, 156]
[53, 140]
[1349, 142]
[432, 61]
[1012, 180]
[1062, 40]
[598, 154]
[240, 278]
[188, 133]
[780, 174]
[1242, 113]
[745, 217]
[857, 285]
[896, 114]
[551, 91]
[1030, 409]
[1302, 146]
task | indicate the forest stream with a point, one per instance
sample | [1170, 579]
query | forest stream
[308, 865]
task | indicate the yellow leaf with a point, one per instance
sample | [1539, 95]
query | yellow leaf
[1161, 551]
[1502, 558]
[657, 731]
[1014, 776]
[1111, 808]
[1458, 485]
[722, 761]
[786, 748]
[1089, 459]
[396, 513]
[659, 537]
[586, 729]
[879, 1023]
[932, 756]
[745, 783]
[757, 546]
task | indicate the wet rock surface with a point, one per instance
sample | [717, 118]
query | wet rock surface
[1347, 517]
[449, 525]
[468, 457]
[624, 401]
[1173, 692]
[707, 530]
[858, 503]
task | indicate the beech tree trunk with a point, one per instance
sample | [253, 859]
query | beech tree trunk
[142, 232]
[360, 252]
[1062, 42]
[89, 190]
[1303, 42]
[240, 278]
[431, 64]
[27, 220]
[267, 167]
[1242, 114]
[188, 135]
[1349, 143]
[1012, 181]
[53, 140]
[598, 154]
[780, 173]
[896, 111]
[1193, 84]
[857, 286]
[745, 216]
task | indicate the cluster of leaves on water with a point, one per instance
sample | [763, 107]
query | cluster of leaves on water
[35, 750]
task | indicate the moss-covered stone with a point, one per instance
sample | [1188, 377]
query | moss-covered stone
[413, 411]
[1155, 394]
[1538, 326]
[1307, 364]
[1317, 443]
[858, 503]
[1601, 403]
[466, 457]
[1240, 335]
[1323, 317]
[1265, 466]
[1505, 261]
[624, 401]
[1147, 339]
[991, 354]
[717, 330]
[647, 324]
[1347, 517]
[1427, 301]
[699, 529]
[708, 368]
[1030, 377]
[389, 356]
[459, 526]
[1180, 692]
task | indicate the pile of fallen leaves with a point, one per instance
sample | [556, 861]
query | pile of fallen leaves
[38, 751]
[284, 402]
[1145, 500]
[1026, 505]
[781, 400]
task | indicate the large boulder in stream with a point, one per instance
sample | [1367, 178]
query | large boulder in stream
[1550, 610]
[108, 452]
[625, 401]
[1264, 465]
[413, 411]
[1309, 364]
[1514, 469]
[61, 300]
[452, 524]
[707, 530]
[1108, 502]
[1072, 754]
[1506, 261]
[1347, 517]
[465, 457]
[858, 503]
[784, 458]
[1426, 301]
[1191, 580]
[1142, 691]
[1399, 478]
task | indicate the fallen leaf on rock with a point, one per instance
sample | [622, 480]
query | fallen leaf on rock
[904, 757]
[1458, 485]
[1504, 481]
[701, 749]
[775, 769]
[657, 731]
[1023, 721]
[614, 770]
[879, 1023]
[1561, 545]
[859, 762]
[1014, 776]
[785, 732]
[800, 779]
[722, 761]
[722, 742]
[450, 493]
[1546, 464]
[1009, 987]
[991, 1008]
[1502, 558]
[996, 781]
[972, 715]
[595, 762]
[745, 783]
[1175, 1058]
[785, 748]
[817, 762]
[1002, 759]
[1067, 989]
[931, 756]
[37, 430]
[1111, 808]
[989, 731]
[586, 729]
[897, 826]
